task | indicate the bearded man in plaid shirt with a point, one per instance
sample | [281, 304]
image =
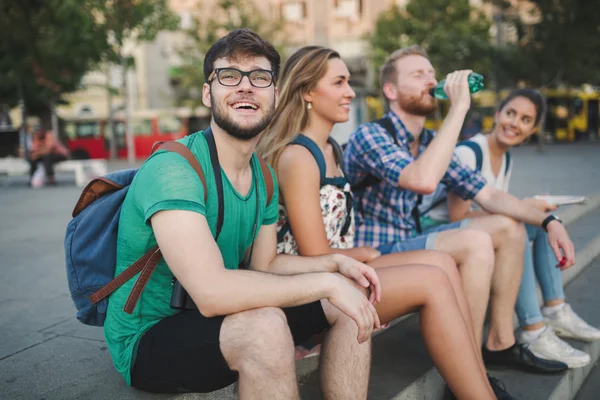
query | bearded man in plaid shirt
[392, 162]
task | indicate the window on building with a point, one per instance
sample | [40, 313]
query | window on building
[294, 11]
[347, 9]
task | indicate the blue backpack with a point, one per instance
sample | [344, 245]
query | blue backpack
[91, 237]
[91, 243]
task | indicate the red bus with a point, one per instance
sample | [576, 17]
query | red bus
[88, 137]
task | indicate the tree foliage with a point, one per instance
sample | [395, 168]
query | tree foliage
[455, 35]
[46, 48]
[561, 47]
[132, 21]
[49, 45]
[228, 15]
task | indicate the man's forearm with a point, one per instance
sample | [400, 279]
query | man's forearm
[233, 291]
[498, 202]
[285, 264]
[436, 157]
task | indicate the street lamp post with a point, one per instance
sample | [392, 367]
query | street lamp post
[128, 125]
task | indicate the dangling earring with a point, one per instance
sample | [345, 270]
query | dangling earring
[309, 106]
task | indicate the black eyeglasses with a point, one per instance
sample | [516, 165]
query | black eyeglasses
[259, 78]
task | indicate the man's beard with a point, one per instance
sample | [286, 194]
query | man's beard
[420, 106]
[232, 128]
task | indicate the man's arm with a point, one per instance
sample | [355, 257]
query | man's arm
[498, 202]
[424, 174]
[265, 259]
[194, 258]
[459, 209]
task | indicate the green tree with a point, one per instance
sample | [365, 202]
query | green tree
[45, 49]
[228, 15]
[561, 47]
[455, 35]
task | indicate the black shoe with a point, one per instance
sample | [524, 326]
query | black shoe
[519, 356]
[497, 386]
[499, 389]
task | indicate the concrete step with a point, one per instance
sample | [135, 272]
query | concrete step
[591, 386]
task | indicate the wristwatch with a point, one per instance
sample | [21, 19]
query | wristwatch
[549, 219]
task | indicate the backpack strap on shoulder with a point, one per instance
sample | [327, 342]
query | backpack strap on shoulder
[388, 125]
[477, 150]
[371, 180]
[216, 166]
[316, 153]
[337, 152]
[183, 151]
[266, 171]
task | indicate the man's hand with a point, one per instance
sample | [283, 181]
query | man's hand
[561, 244]
[457, 88]
[541, 204]
[352, 302]
[362, 274]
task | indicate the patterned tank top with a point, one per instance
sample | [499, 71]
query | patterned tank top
[336, 205]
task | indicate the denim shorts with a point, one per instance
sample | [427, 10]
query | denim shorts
[426, 241]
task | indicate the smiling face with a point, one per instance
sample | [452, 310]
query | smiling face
[243, 111]
[515, 122]
[410, 91]
[332, 95]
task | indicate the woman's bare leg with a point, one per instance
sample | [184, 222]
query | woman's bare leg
[428, 289]
[447, 263]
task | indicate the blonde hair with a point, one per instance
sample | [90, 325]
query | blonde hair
[300, 74]
[389, 73]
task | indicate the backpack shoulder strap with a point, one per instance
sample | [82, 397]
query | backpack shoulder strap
[371, 180]
[316, 153]
[337, 151]
[507, 163]
[388, 125]
[477, 150]
[183, 151]
[216, 166]
[266, 171]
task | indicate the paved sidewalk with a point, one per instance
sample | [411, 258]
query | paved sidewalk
[45, 353]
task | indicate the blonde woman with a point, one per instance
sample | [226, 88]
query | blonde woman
[316, 217]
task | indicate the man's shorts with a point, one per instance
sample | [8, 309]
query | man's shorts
[182, 353]
[425, 241]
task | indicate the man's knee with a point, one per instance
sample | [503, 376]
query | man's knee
[502, 229]
[474, 245]
[512, 229]
[257, 337]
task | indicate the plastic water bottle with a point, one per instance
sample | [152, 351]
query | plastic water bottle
[475, 85]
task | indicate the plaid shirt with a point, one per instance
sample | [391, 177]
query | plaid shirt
[383, 211]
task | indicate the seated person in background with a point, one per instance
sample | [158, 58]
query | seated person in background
[517, 118]
[317, 219]
[45, 148]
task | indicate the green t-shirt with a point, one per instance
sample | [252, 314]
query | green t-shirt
[167, 181]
